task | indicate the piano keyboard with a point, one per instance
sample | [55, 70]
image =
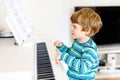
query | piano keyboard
[44, 67]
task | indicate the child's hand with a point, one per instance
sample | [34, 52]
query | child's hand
[58, 43]
[57, 58]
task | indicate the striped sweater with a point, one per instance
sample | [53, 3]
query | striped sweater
[81, 58]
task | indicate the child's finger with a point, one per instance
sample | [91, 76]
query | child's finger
[56, 43]
[57, 61]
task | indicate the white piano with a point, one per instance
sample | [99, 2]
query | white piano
[19, 55]
[19, 62]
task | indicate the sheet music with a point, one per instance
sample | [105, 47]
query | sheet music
[15, 11]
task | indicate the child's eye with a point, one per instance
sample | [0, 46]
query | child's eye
[74, 26]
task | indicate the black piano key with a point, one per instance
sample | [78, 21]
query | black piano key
[44, 68]
[45, 71]
[43, 57]
[39, 69]
[44, 76]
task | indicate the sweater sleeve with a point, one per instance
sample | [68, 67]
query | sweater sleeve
[83, 64]
[63, 48]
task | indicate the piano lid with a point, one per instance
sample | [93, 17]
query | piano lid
[17, 22]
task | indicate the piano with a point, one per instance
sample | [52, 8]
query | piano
[25, 57]
[20, 62]
[46, 68]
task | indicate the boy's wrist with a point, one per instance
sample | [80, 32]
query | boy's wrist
[59, 47]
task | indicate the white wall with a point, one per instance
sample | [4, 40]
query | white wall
[50, 18]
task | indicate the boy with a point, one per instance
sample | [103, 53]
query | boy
[82, 57]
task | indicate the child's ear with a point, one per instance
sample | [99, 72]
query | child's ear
[88, 31]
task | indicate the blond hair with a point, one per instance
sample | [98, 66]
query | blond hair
[88, 19]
